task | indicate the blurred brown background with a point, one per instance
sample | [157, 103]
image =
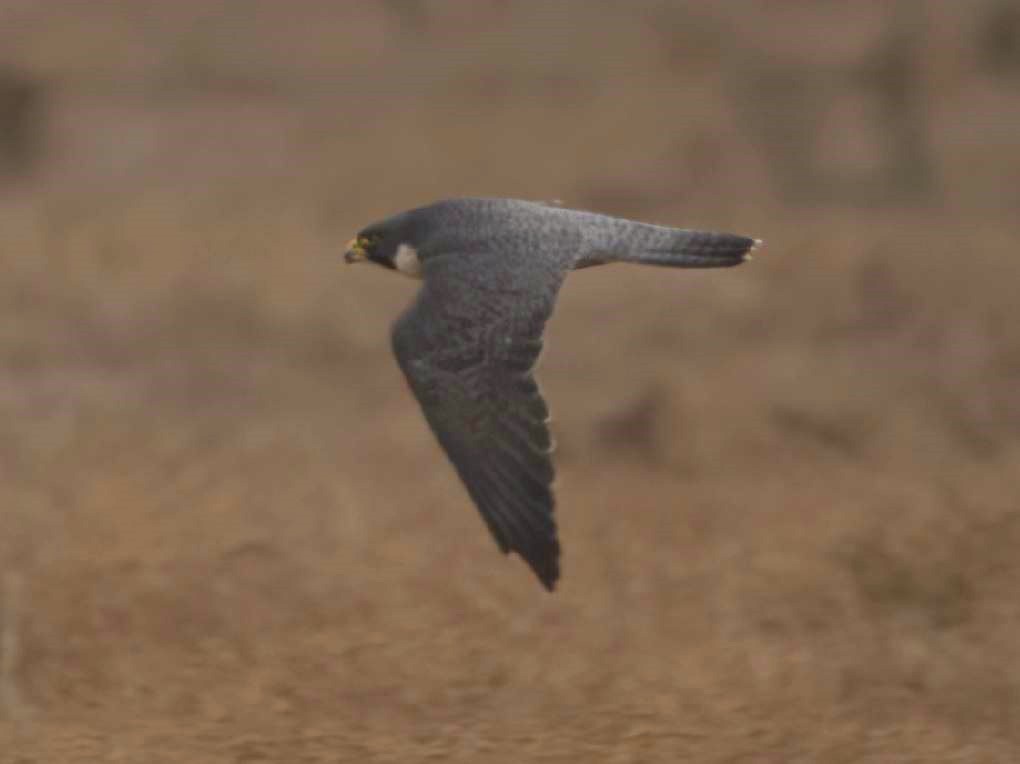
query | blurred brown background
[787, 491]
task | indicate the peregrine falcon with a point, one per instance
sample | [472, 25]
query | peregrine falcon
[490, 272]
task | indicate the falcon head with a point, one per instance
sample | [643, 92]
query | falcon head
[384, 244]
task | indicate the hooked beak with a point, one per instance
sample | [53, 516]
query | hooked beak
[355, 252]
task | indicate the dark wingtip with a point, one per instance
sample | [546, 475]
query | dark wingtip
[549, 581]
[549, 584]
[546, 565]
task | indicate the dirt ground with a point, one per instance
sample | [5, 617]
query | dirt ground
[787, 492]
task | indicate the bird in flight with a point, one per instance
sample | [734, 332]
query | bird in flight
[491, 270]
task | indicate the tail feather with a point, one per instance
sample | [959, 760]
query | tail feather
[618, 240]
[691, 249]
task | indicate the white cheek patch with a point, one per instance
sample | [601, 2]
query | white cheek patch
[407, 262]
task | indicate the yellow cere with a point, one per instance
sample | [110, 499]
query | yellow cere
[356, 247]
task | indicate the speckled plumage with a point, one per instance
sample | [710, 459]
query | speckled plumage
[491, 271]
